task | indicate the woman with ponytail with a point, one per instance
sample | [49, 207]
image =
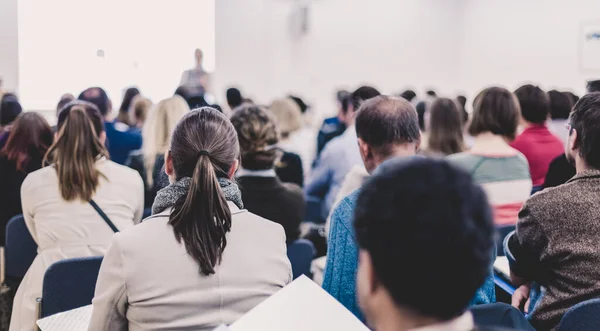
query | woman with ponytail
[201, 259]
[59, 202]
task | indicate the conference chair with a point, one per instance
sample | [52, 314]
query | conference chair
[582, 316]
[69, 284]
[501, 233]
[301, 253]
[19, 252]
[500, 315]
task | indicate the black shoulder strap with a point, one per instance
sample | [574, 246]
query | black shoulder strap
[104, 216]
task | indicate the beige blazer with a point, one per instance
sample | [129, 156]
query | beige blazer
[148, 281]
[64, 230]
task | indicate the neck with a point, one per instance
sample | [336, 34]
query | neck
[403, 150]
[489, 143]
[581, 165]
[530, 124]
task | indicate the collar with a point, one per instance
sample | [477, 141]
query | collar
[591, 173]
[461, 323]
[255, 173]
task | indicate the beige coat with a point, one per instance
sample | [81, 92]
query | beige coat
[65, 230]
[148, 281]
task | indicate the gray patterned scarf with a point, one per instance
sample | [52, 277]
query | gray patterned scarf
[167, 197]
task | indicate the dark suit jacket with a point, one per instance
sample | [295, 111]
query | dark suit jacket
[289, 169]
[279, 202]
[559, 172]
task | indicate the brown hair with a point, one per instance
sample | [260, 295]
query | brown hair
[29, 139]
[76, 149]
[445, 127]
[204, 147]
[256, 133]
[495, 110]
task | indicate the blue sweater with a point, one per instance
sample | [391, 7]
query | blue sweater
[342, 260]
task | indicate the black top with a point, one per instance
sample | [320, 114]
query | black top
[331, 128]
[279, 202]
[559, 172]
[159, 178]
[10, 189]
[289, 169]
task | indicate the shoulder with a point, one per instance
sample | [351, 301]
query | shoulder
[145, 234]
[344, 211]
[464, 159]
[251, 225]
[40, 177]
[293, 190]
[290, 157]
[119, 173]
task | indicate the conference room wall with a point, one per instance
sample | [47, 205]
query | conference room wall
[9, 54]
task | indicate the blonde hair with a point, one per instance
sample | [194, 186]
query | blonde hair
[158, 129]
[139, 109]
[287, 115]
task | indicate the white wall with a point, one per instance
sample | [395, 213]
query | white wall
[9, 47]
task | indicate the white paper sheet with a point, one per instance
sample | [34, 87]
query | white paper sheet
[72, 320]
[501, 265]
[300, 306]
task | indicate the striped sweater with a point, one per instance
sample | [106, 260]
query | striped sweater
[505, 179]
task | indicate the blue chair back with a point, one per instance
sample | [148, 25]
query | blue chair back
[582, 316]
[20, 250]
[501, 233]
[301, 253]
[69, 284]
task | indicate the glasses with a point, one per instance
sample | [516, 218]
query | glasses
[569, 127]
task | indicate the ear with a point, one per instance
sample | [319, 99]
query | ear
[367, 283]
[233, 169]
[169, 170]
[365, 151]
[572, 144]
[102, 138]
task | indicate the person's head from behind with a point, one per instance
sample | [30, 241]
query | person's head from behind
[257, 134]
[29, 140]
[414, 220]
[409, 95]
[64, 99]
[496, 111]
[386, 127]
[462, 103]
[10, 108]
[78, 144]
[445, 127]
[572, 96]
[301, 104]
[356, 99]
[98, 97]
[593, 86]
[234, 98]
[140, 107]
[204, 149]
[128, 96]
[583, 145]
[343, 99]
[287, 115]
[534, 103]
[199, 56]
[560, 105]
[158, 129]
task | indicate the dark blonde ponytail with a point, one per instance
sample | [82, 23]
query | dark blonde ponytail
[204, 147]
[76, 149]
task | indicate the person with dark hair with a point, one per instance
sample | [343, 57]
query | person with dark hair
[462, 103]
[221, 259]
[556, 241]
[288, 118]
[301, 104]
[501, 170]
[445, 129]
[234, 98]
[409, 95]
[426, 241]
[339, 156]
[593, 86]
[536, 142]
[263, 193]
[124, 115]
[10, 108]
[560, 108]
[25, 148]
[424, 105]
[62, 202]
[334, 126]
[121, 141]
[574, 97]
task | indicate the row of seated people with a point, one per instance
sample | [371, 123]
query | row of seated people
[385, 128]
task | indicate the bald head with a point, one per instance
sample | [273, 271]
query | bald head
[385, 123]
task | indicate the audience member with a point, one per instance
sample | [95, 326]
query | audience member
[500, 169]
[556, 242]
[413, 211]
[234, 98]
[202, 259]
[25, 148]
[559, 172]
[536, 142]
[58, 202]
[334, 126]
[10, 108]
[124, 115]
[140, 107]
[306, 133]
[462, 104]
[64, 100]
[262, 192]
[409, 95]
[157, 131]
[422, 107]
[445, 129]
[339, 156]
[560, 108]
[120, 140]
[593, 86]
[572, 96]
[288, 119]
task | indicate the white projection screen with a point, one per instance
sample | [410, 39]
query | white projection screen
[145, 43]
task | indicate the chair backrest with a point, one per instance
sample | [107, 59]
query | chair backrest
[69, 284]
[499, 315]
[501, 233]
[582, 316]
[20, 250]
[301, 253]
